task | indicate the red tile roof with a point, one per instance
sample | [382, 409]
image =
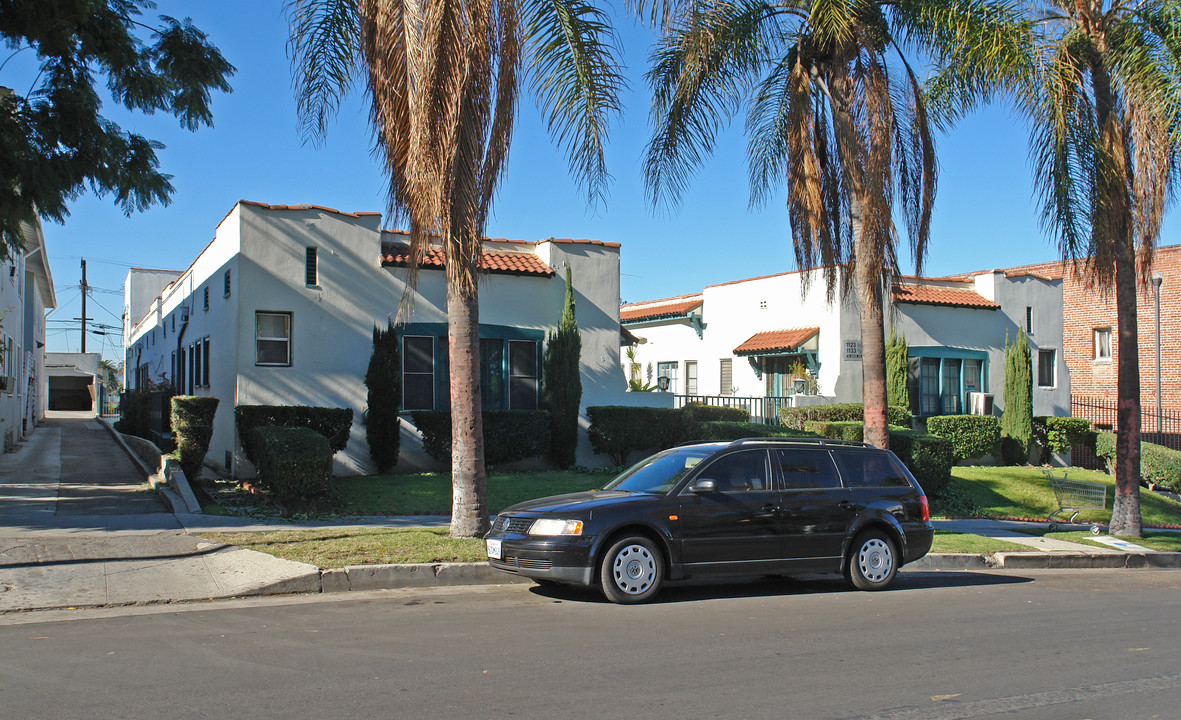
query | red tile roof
[658, 309]
[775, 341]
[505, 263]
[951, 297]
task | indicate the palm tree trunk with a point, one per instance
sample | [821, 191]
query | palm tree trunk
[1115, 221]
[873, 351]
[868, 251]
[469, 509]
[1125, 513]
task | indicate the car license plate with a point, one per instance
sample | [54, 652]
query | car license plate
[494, 549]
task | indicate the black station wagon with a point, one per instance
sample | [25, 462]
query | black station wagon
[759, 506]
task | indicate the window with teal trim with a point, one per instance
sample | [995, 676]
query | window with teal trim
[943, 383]
[418, 373]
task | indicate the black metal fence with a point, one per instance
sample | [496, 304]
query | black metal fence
[1102, 414]
[762, 409]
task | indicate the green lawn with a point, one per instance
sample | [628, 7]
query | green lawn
[1023, 492]
[947, 541]
[430, 493]
[352, 546]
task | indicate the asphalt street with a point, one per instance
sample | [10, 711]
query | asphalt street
[941, 646]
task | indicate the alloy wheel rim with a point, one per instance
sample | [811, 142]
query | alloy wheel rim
[634, 569]
[875, 560]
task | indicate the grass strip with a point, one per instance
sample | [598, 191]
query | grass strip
[947, 541]
[340, 547]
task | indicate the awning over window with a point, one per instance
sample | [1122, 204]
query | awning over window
[776, 342]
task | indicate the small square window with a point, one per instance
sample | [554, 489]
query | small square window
[1103, 343]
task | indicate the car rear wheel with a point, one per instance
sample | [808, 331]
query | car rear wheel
[632, 570]
[873, 561]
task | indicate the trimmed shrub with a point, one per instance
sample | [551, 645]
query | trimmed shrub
[383, 379]
[971, 436]
[724, 430]
[929, 458]
[192, 421]
[509, 435]
[335, 424]
[795, 417]
[841, 430]
[699, 413]
[1159, 465]
[561, 387]
[135, 412]
[617, 430]
[1060, 434]
[293, 463]
[897, 370]
[1017, 416]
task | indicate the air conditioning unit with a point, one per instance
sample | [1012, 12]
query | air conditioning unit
[981, 403]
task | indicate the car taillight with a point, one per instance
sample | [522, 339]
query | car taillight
[926, 508]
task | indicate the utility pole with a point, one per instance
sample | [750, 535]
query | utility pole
[84, 291]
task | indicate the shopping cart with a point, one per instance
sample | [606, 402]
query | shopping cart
[1073, 497]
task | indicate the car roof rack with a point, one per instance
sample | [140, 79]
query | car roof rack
[811, 440]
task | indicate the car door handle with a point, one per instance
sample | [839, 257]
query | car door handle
[770, 508]
[845, 505]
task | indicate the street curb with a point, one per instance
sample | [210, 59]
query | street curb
[410, 575]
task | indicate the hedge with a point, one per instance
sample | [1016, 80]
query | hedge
[618, 430]
[841, 430]
[509, 435]
[192, 421]
[928, 457]
[698, 413]
[795, 417]
[292, 462]
[335, 424]
[1159, 465]
[726, 431]
[971, 436]
[1060, 434]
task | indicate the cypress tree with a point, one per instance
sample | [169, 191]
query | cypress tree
[383, 378]
[897, 368]
[562, 382]
[1017, 416]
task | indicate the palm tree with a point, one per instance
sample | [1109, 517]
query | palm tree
[443, 81]
[834, 111]
[1103, 106]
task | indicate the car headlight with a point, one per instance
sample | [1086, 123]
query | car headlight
[556, 527]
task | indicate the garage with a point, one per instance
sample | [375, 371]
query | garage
[70, 378]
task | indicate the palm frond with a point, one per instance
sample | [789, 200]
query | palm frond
[323, 49]
[577, 77]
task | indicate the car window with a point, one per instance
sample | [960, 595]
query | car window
[739, 472]
[871, 469]
[661, 472]
[806, 468]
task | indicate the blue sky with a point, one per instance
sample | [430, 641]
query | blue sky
[985, 213]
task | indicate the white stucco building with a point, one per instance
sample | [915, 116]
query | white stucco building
[279, 309]
[749, 338]
[26, 292]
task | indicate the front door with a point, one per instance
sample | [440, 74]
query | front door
[735, 530]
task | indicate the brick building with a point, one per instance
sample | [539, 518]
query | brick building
[1091, 341]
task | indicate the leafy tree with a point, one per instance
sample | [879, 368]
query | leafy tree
[897, 370]
[834, 113]
[443, 80]
[562, 383]
[1101, 85]
[54, 143]
[1017, 415]
[383, 378]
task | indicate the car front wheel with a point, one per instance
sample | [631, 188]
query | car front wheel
[632, 570]
[873, 561]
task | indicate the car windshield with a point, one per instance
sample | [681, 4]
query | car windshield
[661, 472]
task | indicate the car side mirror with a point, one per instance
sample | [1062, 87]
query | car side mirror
[704, 485]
